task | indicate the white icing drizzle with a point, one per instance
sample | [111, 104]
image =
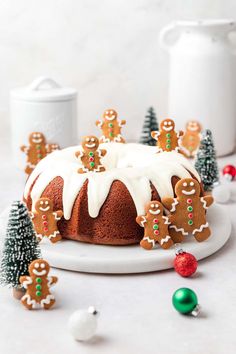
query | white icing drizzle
[166, 220]
[143, 221]
[181, 229]
[27, 282]
[135, 165]
[47, 300]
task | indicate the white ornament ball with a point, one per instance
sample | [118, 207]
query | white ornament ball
[221, 193]
[83, 324]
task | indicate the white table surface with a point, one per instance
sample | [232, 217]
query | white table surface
[136, 313]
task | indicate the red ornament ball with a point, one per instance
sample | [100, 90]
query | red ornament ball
[185, 264]
[229, 172]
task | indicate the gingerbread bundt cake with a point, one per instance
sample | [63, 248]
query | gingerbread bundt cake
[102, 207]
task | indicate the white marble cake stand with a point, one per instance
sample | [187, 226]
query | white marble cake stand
[83, 257]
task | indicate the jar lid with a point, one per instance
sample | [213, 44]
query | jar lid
[44, 89]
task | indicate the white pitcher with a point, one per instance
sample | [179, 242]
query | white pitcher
[202, 78]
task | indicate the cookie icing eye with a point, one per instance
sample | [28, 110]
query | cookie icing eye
[111, 112]
[165, 123]
[36, 265]
[92, 139]
[46, 201]
[169, 123]
[185, 184]
[41, 202]
[107, 112]
[152, 205]
[87, 139]
[42, 265]
[191, 183]
[156, 206]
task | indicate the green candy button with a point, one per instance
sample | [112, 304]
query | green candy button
[168, 146]
[168, 135]
[110, 134]
[190, 222]
[110, 125]
[168, 141]
[38, 287]
[155, 227]
[189, 208]
[38, 280]
[92, 164]
[38, 293]
[91, 154]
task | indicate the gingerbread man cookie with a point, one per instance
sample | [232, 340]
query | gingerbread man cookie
[91, 155]
[191, 139]
[111, 127]
[167, 138]
[155, 226]
[37, 286]
[188, 211]
[45, 220]
[36, 150]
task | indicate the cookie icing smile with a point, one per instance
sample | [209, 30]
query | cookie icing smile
[36, 272]
[90, 145]
[110, 118]
[189, 192]
[44, 209]
[168, 129]
[154, 212]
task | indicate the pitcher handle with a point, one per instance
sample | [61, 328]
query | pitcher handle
[42, 80]
[164, 36]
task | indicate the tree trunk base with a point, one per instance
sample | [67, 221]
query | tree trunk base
[18, 293]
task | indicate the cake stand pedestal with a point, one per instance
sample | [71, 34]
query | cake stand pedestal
[84, 257]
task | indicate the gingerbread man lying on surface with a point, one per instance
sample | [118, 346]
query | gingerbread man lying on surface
[188, 211]
[45, 220]
[111, 127]
[155, 226]
[91, 155]
[167, 138]
[37, 286]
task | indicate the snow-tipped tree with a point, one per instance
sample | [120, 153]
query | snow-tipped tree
[150, 124]
[206, 162]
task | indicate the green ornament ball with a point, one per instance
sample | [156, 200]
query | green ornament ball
[185, 301]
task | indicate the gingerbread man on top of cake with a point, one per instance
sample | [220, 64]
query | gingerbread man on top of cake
[37, 150]
[167, 138]
[188, 211]
[111, 127]
[91, 155]
[191, 139]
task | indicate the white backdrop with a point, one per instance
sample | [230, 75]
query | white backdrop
[107, 49]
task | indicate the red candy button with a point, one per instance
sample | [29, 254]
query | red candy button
[45, 229]
[155, 221]
[45, 223]
[189, 201]
[91, 159]
[156, 232]
[190, 215]
[44, 217]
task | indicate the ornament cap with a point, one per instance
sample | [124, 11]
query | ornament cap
[196, 310]
[92, 310]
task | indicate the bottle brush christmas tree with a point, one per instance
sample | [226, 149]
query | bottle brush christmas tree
[150, 124]
[206, 163]
[20, 247]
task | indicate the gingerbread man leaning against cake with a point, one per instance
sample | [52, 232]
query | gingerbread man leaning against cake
[188, 211]
[167, 138]
[91, 155]
[155, 226]
[111, 127]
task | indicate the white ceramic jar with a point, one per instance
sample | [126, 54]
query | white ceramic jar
[202, 79]
[43, 106]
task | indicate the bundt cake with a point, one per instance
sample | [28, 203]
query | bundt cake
[102, 207]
